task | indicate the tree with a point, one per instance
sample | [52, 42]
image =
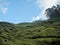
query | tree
[53, 12]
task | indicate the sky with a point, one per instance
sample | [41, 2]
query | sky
[17, 11]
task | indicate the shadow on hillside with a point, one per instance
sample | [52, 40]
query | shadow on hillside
[34, 37]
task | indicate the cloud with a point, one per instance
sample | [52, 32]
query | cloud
[44, 4]
[4, 4]
[41, 16]
[36, 18]
[4, 10]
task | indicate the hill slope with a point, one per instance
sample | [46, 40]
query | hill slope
[36, 33]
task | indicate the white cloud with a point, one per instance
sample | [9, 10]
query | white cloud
[44, 4]
[41, 16]
[4, 6]
[36, 18]
[4, 10]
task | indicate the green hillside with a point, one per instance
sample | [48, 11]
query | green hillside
[38, 32]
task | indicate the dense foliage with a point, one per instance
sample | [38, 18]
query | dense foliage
[53, 12]
[36, 33]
